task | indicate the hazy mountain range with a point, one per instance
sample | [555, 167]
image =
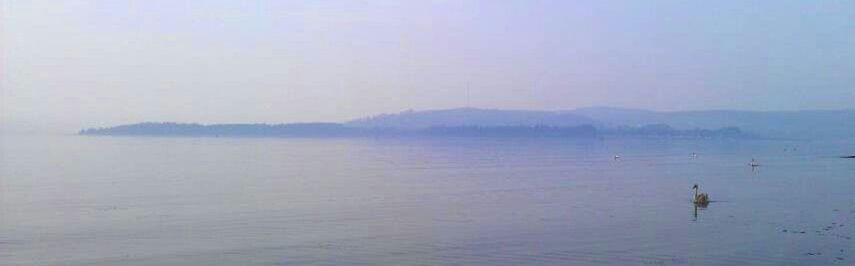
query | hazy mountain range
[472, 117]
[579, 122]
[782, 124]
[788, 124]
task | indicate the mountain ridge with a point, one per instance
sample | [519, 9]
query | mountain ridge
[778, 124]
[808, 124]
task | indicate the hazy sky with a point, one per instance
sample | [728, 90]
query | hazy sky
[96, 63]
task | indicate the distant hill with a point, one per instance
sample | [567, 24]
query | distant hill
[471, 117]
[341, 130]
[334, 130]
[618, 117]
[230, 130]
[521, 123]
[794, 124]
[836, 124]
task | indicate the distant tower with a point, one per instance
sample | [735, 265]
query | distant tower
[467, 95]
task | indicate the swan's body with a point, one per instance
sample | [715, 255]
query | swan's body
[753, 163]
[700, 198]
[617, 157]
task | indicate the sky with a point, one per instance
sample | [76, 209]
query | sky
[76, 64]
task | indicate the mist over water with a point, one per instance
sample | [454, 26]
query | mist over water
[392, 132]
[73, 200]
[269, 61]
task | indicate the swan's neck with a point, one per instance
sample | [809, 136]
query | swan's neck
[696, 194]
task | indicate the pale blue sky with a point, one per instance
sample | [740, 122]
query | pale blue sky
[96, 63]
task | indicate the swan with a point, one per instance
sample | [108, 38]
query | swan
[702, 198]
[753, 163]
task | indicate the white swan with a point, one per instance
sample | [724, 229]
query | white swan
[753, 163]
[700, 198]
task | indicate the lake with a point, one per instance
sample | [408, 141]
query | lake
[73, 200]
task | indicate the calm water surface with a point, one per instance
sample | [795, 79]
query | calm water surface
[70, 200]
